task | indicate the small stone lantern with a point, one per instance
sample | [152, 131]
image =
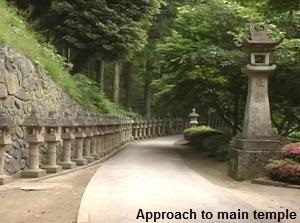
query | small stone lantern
[6, 124]
[52, 137]
[79, 135]
[193, 118]
[87, 140]
[67, 134]
[94, 138]
[34, 137]
[258, 142]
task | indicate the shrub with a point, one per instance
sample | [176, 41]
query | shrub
[211, 140]
[286, 170]
[199, 132]
[294, 137]
[217, 146]
[291, 151]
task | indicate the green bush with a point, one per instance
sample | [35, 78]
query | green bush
[92, 94]
[294, 137]
[217, 146]
[210, 140]
[199, 132]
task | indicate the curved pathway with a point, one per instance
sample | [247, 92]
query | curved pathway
[150, 175]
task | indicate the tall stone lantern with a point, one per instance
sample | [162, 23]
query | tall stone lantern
[52, 137]
[193, 118]
[6, 123]
[34, 137]
[258, 141]
[67, 134]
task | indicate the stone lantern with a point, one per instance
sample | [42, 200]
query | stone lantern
[6, 124]
[67, 134]
[87, 140]
[52, 137]
[193, 118]
[79, 135]
[258, 142]
[34, 137]
[100, 136]
[94, 138]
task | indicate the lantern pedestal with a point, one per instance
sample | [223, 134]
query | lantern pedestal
[33, 170]
[66, 162]
[51, 166]
[248, 157]
[258, 142]
[33, 173]
[4, 179]
[94, 152]
[79, 160]
[87, 150]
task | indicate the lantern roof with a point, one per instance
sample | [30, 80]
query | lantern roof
[193, 114]
[34, 120]
[259, 41]
[67, 120]
[52, 120]
[6, 121]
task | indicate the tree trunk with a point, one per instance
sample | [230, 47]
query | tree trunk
[116, 83]
[128, 73]
[80, 61]
[100, 73]
[147, 90]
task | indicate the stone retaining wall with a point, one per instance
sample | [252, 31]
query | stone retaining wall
[24, 85]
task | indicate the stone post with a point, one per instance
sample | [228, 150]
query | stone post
[79, 135]
[52, 137]
[100, 139]
[34, 137]
[135, 130]
[193, 118]
[258, 142]
[140, 128]
[87, 140]
[6, 123]
[145, 129]
[148, 128]
[94, 138]
[67, 134]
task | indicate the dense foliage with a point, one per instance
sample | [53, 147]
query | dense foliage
[15, 33]
[179, 51]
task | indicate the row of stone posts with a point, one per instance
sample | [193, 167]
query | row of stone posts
[84, 140]
[77, 141]
[157, 127]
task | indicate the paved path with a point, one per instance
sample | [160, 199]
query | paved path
[150, 175]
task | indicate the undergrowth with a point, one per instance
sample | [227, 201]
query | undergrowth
[16, 33]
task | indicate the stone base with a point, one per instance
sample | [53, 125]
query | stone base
[52, 169]
[96, 156]
[33, 173]
[4, 179]
[89, 159]
[248, 159]
[80, 162]
[67, 165]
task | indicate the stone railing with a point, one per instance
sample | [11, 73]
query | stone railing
[158, 127]
[70, 141]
